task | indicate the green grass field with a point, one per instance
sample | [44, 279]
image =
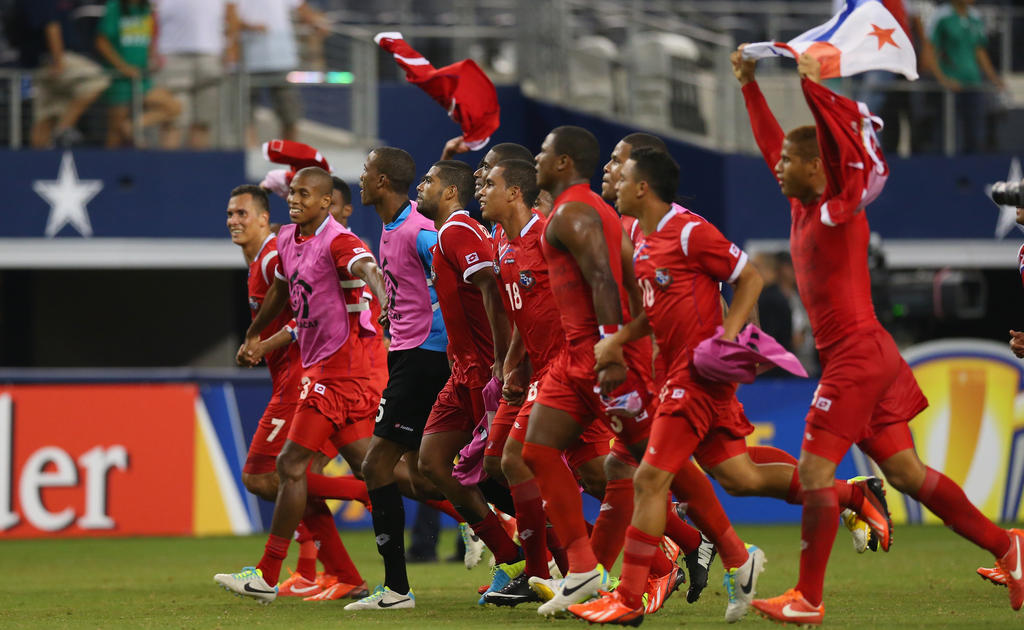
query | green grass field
[927, 580]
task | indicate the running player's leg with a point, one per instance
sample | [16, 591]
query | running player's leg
[609, 532]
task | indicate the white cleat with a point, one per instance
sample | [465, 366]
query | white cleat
[474, 546]
[741, 584]
[545, 588]
[383, 598]
[575, 588]
[248, 582]
[859, 530]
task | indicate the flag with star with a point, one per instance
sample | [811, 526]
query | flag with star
[863, 36]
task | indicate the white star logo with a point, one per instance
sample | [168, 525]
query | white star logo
[67, 196]
[1007, 214]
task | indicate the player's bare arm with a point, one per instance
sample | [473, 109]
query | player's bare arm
[501, 330]
[608, 351]
[578, 229]
[629, 282]
[746, 290]
[1017, 343]
[366, 269]
[251, 356]
[453, 147]
[517, 370]
[273, 304]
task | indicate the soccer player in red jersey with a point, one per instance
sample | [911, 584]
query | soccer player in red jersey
[867, 394]
[248, 223]
[478, 336]
[332, 395]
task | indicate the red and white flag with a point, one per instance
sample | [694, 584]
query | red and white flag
[462, 89]
[863, 36]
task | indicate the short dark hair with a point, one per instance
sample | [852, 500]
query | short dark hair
[342, 187]
[512, 151]
[398, 165]
[521, 174]
[641, 140]
[258, 195]
[580, 145]
[460, 175]
[321, 178]
[659, 170]
[804, 141]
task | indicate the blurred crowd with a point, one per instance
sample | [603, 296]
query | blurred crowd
[164, 59]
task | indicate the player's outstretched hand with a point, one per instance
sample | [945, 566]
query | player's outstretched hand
[1017, 343]
[607, 352]
[610, 377]
[453, 147]
[743, 69]
[809, 68]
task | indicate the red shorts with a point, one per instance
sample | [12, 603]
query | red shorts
[346, 435]
[865, 387]
[569, 386]
[691, 421]
[594, 442]
[334, 394]
[459, 407]
[501, 425]
[271, 433]
[377, 364]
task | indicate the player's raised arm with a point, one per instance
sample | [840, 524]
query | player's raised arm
[367, 270]
[767, 132]
[501, 330]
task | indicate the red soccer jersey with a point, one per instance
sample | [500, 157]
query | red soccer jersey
[572, 293]
[463, 248]
[284, 364]
[829, 244]
[632, 229]
[526, 291]
[679, 267]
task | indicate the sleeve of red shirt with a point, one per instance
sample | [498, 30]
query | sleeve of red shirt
[347, 249]
[716, 255]
[767, 132]
[466, 248]
[845, 159]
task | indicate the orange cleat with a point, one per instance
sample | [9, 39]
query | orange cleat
[609, 608]
[994, 575]
[340, 590]
[1012, 566]
[658, 590]
[670, 548]
[874, 510]
[790, 607]
[298, 586]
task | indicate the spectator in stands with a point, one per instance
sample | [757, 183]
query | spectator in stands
[67, 82]
[195, 40]
[270, 51]
[773, 310]
[124, 40]
[958, 36]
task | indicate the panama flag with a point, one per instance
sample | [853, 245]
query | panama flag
[863, 36]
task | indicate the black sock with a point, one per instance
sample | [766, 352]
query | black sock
[389, 527]
[497, 494]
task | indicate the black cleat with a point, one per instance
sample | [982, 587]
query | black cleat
[516, 592]
[698, 562]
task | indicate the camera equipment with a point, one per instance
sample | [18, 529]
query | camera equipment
[1008, 194]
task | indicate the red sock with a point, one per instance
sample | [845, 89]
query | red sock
[847, 495]
[770, 455]
[274, 554]
[559, 489]
[344, 488]
[947, 501]
[817, 533]
[610, 527]
[557, 551]
[692, 486]
[332, 553]
[493, 534]
[532, 526]
[640, 550]
[687, 537]
[446, 507]
[306, 566]
[660, 564]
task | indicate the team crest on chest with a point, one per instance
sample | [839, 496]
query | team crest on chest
[254, 304]
[497, 268]
[527, 280]
[663, 278]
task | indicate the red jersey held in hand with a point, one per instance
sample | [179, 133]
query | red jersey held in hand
[463, 248]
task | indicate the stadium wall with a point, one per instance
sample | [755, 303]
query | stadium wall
[117, 454]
